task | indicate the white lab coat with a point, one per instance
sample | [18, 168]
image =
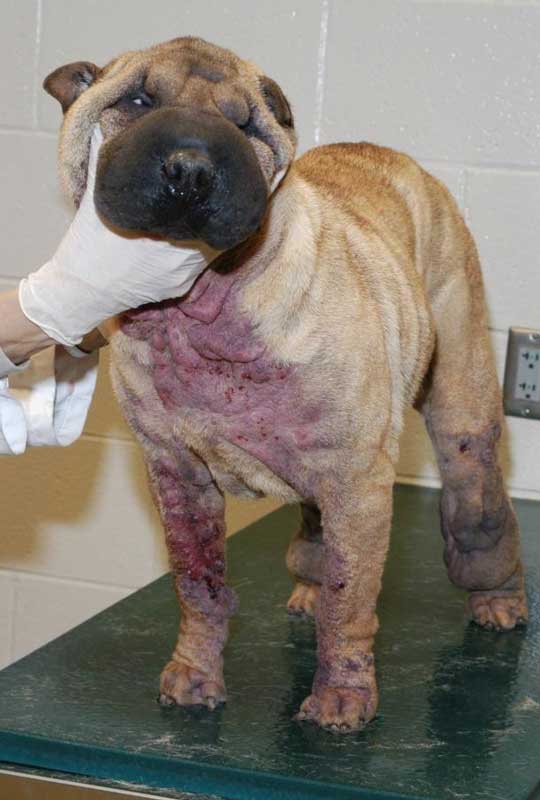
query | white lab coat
[45, 402]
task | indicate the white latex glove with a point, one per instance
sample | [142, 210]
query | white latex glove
[96, 273]
[46, 404]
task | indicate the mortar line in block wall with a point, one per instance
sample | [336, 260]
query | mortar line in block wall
[466, 207]
[479, 166]
[321, 70]
[433, 167]
[37, 51]
[462, 185]
[5, 130]
[18, 574]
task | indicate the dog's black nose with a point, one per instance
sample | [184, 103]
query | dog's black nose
[182, 174]
[188, 173]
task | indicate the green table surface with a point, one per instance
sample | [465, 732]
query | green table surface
[459, 715]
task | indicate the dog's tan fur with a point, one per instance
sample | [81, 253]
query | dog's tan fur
[365, 278]
[181, 70]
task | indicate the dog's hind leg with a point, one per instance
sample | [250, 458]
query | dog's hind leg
[463, 414]
[304, 561]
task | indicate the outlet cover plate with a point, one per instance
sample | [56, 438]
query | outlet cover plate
[522, 373]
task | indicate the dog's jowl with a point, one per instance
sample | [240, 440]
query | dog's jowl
[347, 289]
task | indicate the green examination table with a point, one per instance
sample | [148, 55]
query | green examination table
[459, 715]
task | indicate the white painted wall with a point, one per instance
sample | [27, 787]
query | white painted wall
[453, 83]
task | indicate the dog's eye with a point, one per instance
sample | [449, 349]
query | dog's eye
[142, 99]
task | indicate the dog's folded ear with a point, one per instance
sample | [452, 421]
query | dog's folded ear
[67, 83]
[276, 101]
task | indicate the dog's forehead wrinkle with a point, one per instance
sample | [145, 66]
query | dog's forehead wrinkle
[165, 79]
[171, 64]
[172, 78]
[184, 81]
[206, 70]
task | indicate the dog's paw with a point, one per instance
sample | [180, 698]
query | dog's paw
[499, 612]
[339, 710]
[185, 686]
[303, 599]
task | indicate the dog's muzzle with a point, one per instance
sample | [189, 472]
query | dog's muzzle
[182, 175]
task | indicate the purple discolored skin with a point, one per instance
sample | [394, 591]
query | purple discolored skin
[192, 511]
[206, 357]
[205, 360]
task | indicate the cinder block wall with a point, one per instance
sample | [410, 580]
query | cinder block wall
[453, 83]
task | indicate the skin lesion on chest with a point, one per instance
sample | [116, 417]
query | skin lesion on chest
[205, 353]
[219, 381]
[218, 367]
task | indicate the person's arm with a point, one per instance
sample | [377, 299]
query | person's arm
[20, 338]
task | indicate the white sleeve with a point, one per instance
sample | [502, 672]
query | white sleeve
[13, 432]
[55, 393]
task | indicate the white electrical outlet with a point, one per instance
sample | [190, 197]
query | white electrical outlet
[522, 373]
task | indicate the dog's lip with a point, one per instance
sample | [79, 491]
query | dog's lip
[192, 235]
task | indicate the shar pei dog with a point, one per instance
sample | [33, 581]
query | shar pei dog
[347, 288]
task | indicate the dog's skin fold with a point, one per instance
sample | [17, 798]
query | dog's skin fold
[289, 366]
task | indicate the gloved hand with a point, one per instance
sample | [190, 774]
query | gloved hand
[96, 273]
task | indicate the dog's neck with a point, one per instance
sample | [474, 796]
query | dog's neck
[282, 251]
[278, 265]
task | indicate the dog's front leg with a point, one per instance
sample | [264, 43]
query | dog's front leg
[356, 515]
[192, 511]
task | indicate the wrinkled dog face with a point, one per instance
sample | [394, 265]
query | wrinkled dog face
[194, 138]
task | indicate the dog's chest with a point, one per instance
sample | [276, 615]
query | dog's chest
[207, 358]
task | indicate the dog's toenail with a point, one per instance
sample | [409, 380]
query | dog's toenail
[165, 700]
